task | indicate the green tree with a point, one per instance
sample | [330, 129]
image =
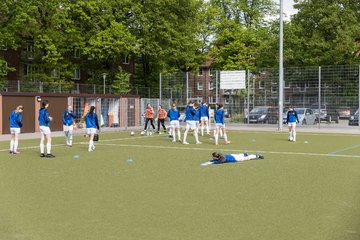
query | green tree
[121, 84]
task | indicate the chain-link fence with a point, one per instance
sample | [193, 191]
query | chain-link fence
[321, 95]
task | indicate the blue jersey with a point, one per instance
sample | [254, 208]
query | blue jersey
[219, 116]
[91, 120]
[173, 115]
[43, 118]
[15, 119]
[292, 117]
[228, 158]
[204, 111]
[68, 118]
[197, 115]
[190, 112]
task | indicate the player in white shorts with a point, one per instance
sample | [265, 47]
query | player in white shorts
[174, 114]
[291, 120]
[219, 158]
[15, 120]
[68, 127]
[204, 118]
[191, 123]
[44, 122]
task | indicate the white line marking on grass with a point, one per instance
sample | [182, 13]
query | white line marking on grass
[344, 149]
[211, 149]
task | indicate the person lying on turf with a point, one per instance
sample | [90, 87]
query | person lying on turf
[219, 158]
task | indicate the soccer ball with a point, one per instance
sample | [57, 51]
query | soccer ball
[132, 133]
[142, 133]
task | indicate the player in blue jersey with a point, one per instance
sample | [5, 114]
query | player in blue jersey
[219, 158]
[92, 124]
[44, 122]
[190, 122]
[291, 120]
[174, 115]
[68, 127]
[15, 120]
[220, 124]
[204, 118]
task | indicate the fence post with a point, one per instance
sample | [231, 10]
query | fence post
[18, 85]
[94, 88]
[160, 87]
[248, 98]
[40, 87]
[359, 97]
[216, 87]
[126, 112]
[77, 88]
[319, 97]
[59, 87]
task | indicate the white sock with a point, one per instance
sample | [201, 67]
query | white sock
[207, 129]
[42, 148]
[294, 135]
[185, 135]
[91, 143]
[16, 143]
[12, 145]
[202, 130]
[252, 156]
[48, 148]
[290, 137]
[174, 136]
[216, 138]
[179, 135]
[221, 133]
[196, 134]
[70, 138]
[225, 137]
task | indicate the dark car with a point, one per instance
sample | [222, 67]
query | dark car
[259, 115]
[328, 113]
[354, 119]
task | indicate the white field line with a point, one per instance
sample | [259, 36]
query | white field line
[230, 150]
[190, 148]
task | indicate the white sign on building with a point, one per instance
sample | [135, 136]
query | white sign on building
[233, 79]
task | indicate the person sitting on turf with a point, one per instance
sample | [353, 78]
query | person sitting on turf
[219, 158]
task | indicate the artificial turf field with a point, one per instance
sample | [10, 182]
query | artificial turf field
[305, 190]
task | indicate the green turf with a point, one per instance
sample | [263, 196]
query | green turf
[301, 191]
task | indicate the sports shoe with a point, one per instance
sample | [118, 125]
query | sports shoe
[16, 152]
[49, 155]
[186, 143]
[173, 140]
[245, 154]
[260, 156]
[91, 150]
[11, 152]
[227, 142]
[42, 155]
[199, 143]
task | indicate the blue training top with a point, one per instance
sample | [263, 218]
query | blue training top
[197, 115]
[43, 118]
[204, 111]
[15, 119]
[228, 158]
[91, 120]
[219, 116]
[190, 112]
[173, 115]
[67, 118]
[292, 117]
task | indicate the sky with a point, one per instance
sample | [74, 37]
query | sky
[288, 7]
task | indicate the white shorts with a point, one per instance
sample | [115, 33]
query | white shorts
[204, 119]
[91, 130]
[14, 130]
[175, 124]
[68, 128]
[238, 157]
[191, 124]
[292, 124]
[220, 125]
[44, 130]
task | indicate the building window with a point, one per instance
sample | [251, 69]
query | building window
[210, 72]
[76, 73]
[200, 72]
[30, 52]
[273, 89]
[126, 60]
[77, 53]
[287, 84]
[261, 84]
[200, 86]
[287, 99]
[54, 73]
[211, 85]
[212, 99]
[227, 100]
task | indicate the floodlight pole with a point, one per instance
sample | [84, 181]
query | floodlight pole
[187, 87]
[160, 88]
[281, 69]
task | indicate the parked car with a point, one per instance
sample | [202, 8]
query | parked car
[328, 113]
[306, 116]
[259, 115]
[354, 119]
[344, 112]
